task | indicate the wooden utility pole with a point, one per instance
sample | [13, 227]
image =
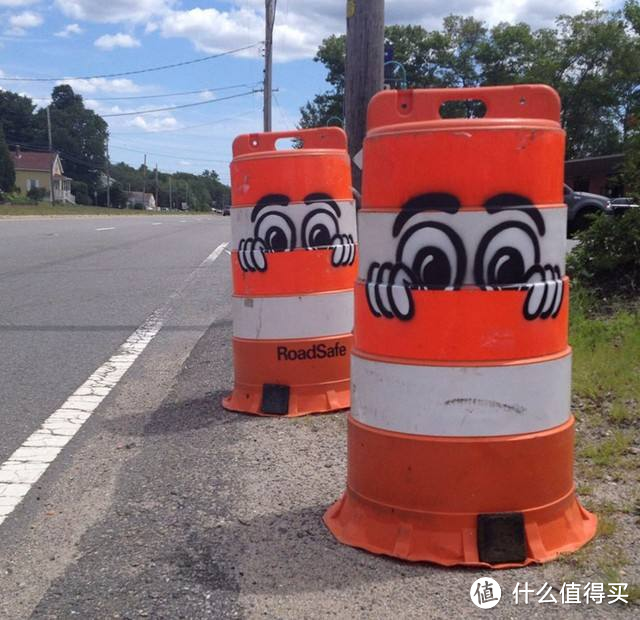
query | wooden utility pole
[364, 69]
[108, 177]
[53, 159]
[157, 197]
[144, 181]
[270, 17]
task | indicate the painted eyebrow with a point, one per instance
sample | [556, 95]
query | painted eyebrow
[433, 201]
[269, 200]
[320, 197]
[516, 202]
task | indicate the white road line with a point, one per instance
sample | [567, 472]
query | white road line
[108, 228]
[156, 224]
[25, 466]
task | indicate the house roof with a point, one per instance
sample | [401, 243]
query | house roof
[29, 160]
[603, 164]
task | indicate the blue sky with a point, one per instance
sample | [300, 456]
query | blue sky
[68, 38]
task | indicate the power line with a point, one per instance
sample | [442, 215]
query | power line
[135, 72]
[174, 156]
[189, 151]
[180, 107]
[151, 133]
[186, 92]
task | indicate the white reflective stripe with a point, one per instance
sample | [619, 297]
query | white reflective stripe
[457, 401]
[243, 228]
[302, 316]
[377, 243]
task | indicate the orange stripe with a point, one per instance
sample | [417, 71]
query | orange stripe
[294, 174]
[292, 362]
[461, 474]
[469, 325]
[293, 273]
[472, 164]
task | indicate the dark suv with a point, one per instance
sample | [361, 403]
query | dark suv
[583, 204]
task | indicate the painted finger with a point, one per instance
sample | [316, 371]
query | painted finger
[536, 293]
[372, 275]
[381, 290]
[400, 295]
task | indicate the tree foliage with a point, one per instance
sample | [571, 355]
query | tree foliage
[592, 59]
[201, 192]
[17, 117]
[607, 260]
[7, 171]
[77, 132]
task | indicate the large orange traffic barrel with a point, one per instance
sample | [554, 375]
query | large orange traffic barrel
[293, 229]
[460, 440]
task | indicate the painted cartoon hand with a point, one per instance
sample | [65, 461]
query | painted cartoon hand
[545, 292]
[344, 250]
[389, 290]
[252, 254]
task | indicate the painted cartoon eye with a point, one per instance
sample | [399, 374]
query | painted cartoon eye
[505, 254]
[276, 230]
[319, 228]
[435, 255]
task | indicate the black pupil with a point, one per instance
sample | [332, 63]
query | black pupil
[319, 236]
[432, 267]
[276, 239]
[506, 267]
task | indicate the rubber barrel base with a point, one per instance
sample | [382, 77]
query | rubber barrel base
[302, 400]
[422, 498]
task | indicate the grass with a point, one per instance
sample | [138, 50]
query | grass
[605, 336]
[44, 208]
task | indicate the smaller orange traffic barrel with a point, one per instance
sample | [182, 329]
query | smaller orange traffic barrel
[294, 264]
[460, 437]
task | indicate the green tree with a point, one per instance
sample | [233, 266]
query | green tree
[7, 170]
[592, 59]
[16, 117]
[78, 133]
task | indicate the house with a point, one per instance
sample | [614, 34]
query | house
[139, 198]
[38, 170]
[598, 175]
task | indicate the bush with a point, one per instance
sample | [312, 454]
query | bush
[37, 193]
[81, 191]
[607, 259]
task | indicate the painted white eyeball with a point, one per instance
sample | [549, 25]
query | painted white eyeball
[435, 255]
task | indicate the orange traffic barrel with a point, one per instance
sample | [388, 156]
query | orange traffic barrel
[460, 438]
[294, 264]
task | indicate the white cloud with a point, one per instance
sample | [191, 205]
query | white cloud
[20, 22]
[68, 30]
[114, 11]
[154, 124]
[119, 86]
[17, 3]
[300, 26]
[108, 42]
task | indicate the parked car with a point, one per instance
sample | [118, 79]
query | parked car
[621, 204]
[580, 205]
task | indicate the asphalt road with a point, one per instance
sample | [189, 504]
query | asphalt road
[72, 290]
[164, 505]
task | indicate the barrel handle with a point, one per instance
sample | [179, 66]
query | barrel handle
[319, 138]
[536, 101]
